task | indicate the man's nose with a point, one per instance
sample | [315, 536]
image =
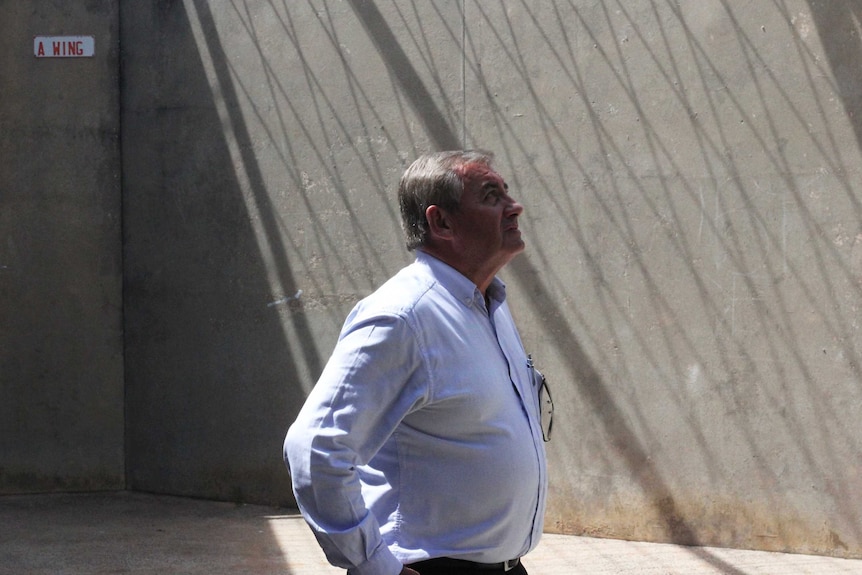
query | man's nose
[514, 208]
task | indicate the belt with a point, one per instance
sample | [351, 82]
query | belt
[450, 562]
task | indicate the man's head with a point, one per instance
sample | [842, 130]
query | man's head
[455, 206]
[433, 179]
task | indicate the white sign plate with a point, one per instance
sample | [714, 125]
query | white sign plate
[64, 46]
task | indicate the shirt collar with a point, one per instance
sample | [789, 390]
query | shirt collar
[458, 284]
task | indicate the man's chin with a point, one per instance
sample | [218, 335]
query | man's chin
[515, 250]
[519, 246]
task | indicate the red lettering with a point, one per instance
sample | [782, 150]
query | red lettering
[63, 46]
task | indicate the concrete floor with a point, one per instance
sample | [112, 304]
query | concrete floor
[135, 533]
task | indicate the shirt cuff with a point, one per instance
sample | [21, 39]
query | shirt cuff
[382, 562]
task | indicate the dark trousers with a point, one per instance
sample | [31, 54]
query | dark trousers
[456, 567]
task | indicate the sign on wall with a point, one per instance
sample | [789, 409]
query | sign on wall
[64, 46]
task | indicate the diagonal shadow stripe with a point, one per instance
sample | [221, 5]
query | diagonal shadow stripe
[404, 72]
[624, 441]
[256, 181]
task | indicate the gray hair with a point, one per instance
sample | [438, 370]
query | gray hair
[433, 180]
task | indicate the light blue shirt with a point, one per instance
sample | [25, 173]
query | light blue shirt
[422, 437]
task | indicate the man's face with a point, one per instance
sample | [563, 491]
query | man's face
[486, 224]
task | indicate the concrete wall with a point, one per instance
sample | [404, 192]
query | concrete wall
[61, 348]
[693, 283]
[691, 287]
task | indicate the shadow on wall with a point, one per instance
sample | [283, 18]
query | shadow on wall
[628, 442]
[591, 50]
[668, 193]
[212, 370]
[246, 240]
[389, 49]
[837, 25]
[211, 381]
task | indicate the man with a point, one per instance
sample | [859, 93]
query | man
[420, 449]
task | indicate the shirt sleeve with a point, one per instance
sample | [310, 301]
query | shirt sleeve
[364, 392]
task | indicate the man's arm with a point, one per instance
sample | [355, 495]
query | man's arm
[359, 400]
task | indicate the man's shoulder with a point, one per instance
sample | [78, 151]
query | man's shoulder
[416, 291]
[402, 292]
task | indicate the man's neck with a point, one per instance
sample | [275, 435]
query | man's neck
[481, 276]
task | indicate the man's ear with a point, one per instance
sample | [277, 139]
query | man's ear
[439, 224]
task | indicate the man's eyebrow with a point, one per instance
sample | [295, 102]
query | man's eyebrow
[493, 184]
